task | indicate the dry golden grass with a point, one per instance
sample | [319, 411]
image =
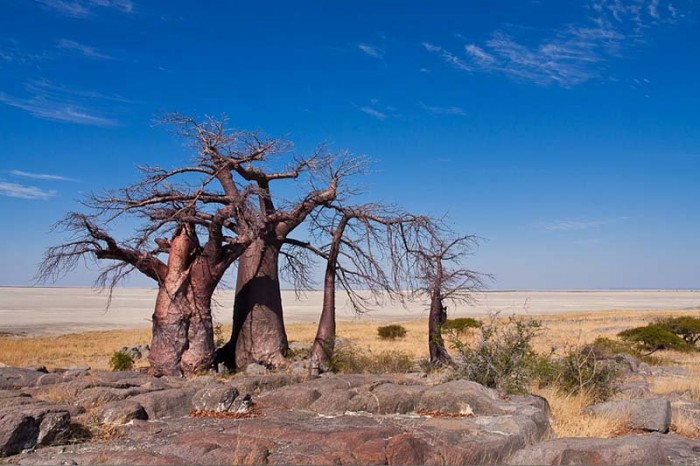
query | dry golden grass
[683, 424]
[90, 348]
[560, 331]
[569, 420]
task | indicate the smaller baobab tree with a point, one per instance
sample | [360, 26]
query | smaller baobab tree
[196, 216]
[360, 244]
[437, 256]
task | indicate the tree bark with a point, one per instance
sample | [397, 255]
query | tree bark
[436, 319]
[258, 323]
[324, 343]
[183, 332]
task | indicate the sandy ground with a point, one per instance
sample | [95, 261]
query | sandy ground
[37, 311]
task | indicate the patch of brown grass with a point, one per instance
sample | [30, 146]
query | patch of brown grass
[569, 420]
[684, 424]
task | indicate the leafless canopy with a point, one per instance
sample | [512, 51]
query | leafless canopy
[438, 258]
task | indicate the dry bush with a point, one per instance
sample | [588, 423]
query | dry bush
[353, 360]
[684, 424]
[56, 394]
[569, 420]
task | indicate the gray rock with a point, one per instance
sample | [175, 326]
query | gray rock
[460, 397]
[32, 426]
[652, 415]
[628, 450]
[218, 398]
[38, 368]
[14, 378]
[121, 412]
[687, 413]
[169, 403]
[255, 369]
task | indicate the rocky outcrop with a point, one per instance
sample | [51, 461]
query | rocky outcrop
[279, 419]
[632, 449]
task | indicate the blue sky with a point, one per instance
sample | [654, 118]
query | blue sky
[564, 133]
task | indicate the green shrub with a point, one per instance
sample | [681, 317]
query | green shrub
[654, 337]
[686, 327]
[581, 370]
[352, 360]
[607, 348]
[503, 356]
[461, 325]
[391, 332]
[121, 361]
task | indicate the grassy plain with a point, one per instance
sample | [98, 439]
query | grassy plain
[560, 331]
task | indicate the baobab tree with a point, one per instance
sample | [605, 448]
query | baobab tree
[440, 275]
[360, 245]
[258, 323]
[177, 208]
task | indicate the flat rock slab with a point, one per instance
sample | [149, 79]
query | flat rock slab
[329, 420]
[628, 450]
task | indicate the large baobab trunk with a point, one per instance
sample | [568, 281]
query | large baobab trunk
[183, 337]
[436, 319]
[258, 324]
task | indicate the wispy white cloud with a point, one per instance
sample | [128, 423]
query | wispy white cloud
[447, 56]
[86, 8]
[371, 50]
[82, 49]
[11, 52]
[374, 113]
[578, 225]
[40, 176]
[59, 103]
[455, 111]
[24, 192]
[571, 55]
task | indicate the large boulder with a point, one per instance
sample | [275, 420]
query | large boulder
[30, 426]
[653, 415]
[628, 450]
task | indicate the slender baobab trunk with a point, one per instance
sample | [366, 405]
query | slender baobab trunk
[258, 324]
[324, 343]
[436, 319]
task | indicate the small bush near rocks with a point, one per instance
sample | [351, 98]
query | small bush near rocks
[352, 360]
[391, 332]
[654, 337]
[460, 325]
[121, 361]
[503, 356]
[582, 371]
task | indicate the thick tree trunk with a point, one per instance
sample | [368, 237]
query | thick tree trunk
[324, 343]
[436, 319]
[183, 334]
[258, 324]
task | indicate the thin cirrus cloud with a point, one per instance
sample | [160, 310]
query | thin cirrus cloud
[453, 110]
[579, 225]
[573, 54]
[81, 49]
[50, 101]
[21, 191]
[85, 8]
[371, 50]
[374, 113]
[40, 176]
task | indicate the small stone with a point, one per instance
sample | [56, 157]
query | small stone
[255, 369]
